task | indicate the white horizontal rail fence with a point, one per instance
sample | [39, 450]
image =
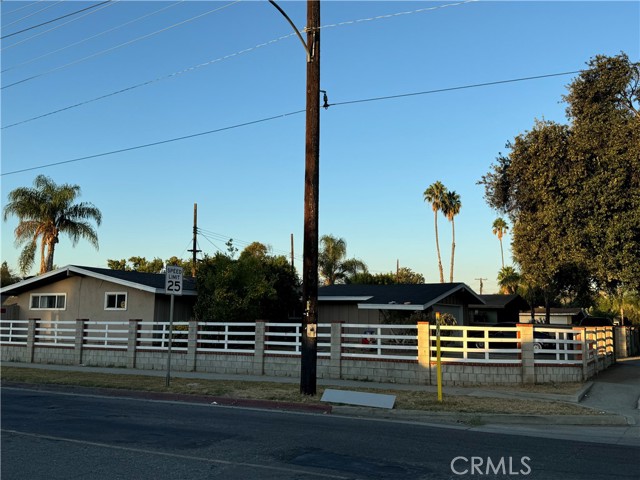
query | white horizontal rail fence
[396, 342]
[563, 346]
[286, 338]
[476, 344]
[226, 337]
[14, 332]
[155, 336]
[55, 333]
[111, 335]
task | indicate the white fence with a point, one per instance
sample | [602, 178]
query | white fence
[396, 342]
[382, 353]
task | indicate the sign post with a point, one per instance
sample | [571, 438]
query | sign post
[438, 361]
[172, 287]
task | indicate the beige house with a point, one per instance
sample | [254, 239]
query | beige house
[370, 304]
[100, 294]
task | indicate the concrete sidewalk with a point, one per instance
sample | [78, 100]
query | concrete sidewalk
[614, 393]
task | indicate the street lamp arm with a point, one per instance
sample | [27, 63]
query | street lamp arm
[306, 48]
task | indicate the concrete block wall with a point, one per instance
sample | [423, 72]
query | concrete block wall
[104, 357]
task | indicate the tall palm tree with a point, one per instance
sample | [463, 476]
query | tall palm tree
[435, 195]
[452, 206]
[44, 212]
[500, 227]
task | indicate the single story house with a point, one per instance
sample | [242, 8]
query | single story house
[99, 294]
[558, 316]
[499, 309]
[369, 304]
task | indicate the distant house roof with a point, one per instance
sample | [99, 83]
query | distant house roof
[149, 282]
[395, 297]
[560, 311]
[502, 301]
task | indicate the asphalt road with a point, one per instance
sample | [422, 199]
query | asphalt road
[57, 436]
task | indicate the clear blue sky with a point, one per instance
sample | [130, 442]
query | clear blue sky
[376, 158]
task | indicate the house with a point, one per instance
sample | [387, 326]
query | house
[558, 316]
[371, 304]
[499, 309]
[100, 294]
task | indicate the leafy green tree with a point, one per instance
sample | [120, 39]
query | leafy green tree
[333, 265]
[435, 195]
[248, 288]
[451, 208]
[572, 192]
[46, 211]
[500, 227]
[403, 275]
[8, 277]
[137, 264]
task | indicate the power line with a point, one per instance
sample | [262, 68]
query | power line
[22, 8]
[113, 2]
[449, 89]
[161, 142]
[92, 36]
[54, 20]
[226, 57]
[102, 52]
[32, 14]
[262, 120]
[242, 243]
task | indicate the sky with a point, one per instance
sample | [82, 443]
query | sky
[183, 68]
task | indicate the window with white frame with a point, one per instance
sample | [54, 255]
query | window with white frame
[115, 301]
[48, 301]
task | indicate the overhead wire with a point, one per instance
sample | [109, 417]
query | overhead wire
[102, 52]
[161, 142]
[31, 14]
[274, 117]
[226, 57]
[54, 20]
[242, 243]
[79, 42]
[44, 32]
[21, 8]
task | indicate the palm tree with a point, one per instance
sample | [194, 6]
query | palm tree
[333, 265]
[509, 280]
[500, 227]
[435, 195]
[452, 206]
[44, 212]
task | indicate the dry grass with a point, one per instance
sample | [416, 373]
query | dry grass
[409, 400]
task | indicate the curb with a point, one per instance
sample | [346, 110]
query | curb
[175, 397]
[476, 419]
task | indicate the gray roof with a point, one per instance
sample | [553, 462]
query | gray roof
[501, 301]
[150, 282]
[397, 296]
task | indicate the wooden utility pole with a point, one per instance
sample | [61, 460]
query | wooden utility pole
[481, 284]
[293, 267]
[194, 250]
[309, 350]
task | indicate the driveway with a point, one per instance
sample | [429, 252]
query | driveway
[617, 389]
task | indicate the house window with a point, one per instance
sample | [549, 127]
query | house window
[48, 301]
[115, 301]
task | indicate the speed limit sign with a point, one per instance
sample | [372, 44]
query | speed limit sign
[173, 280]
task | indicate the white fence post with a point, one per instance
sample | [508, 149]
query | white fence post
[424, 352]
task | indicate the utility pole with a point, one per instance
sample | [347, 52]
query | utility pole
[481, 284]
[309, 341]
[309, 350]
[194, 250]
[293, 267]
